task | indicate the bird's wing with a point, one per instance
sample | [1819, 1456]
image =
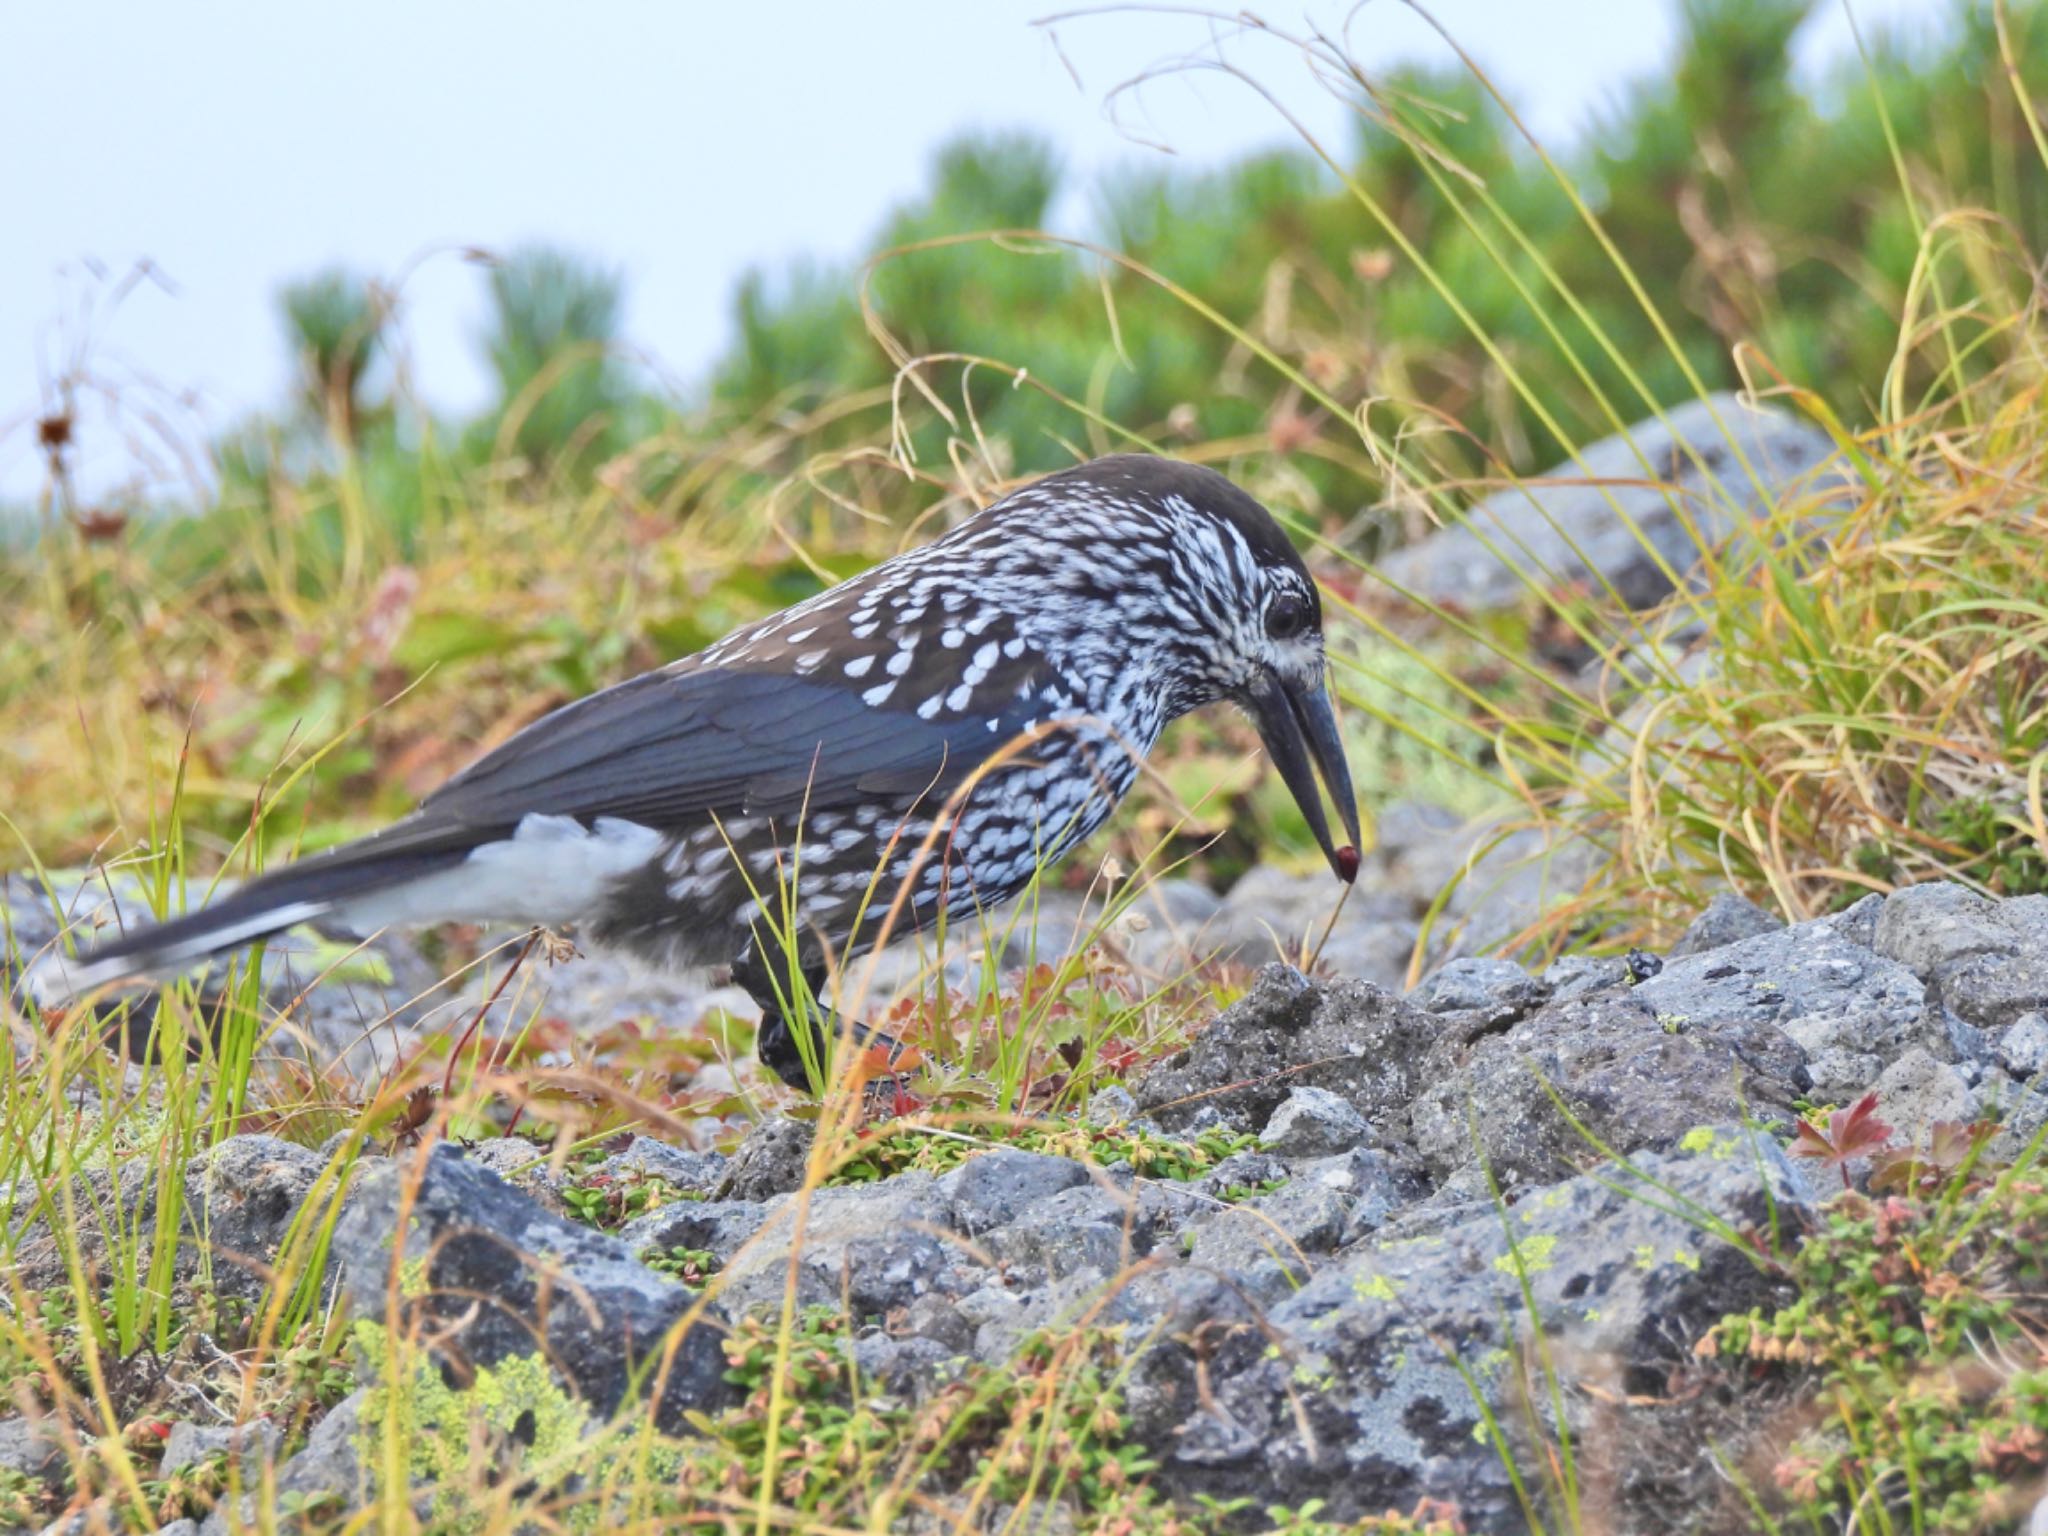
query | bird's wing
[668, 747]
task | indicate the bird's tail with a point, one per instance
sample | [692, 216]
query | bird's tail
[324, 885]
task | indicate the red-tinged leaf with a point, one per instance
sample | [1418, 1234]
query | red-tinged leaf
[1851, 1133]
[1811, 1141]
[1856, 1131]
[1952, 1146]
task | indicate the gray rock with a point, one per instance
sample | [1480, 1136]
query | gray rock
[1479, 994]
[1923, 927]
[1857, 922]
[1350, 1393]
[996, 1187]
[1004, 1315]
[1372, 1185]
[32, 1448]
[1112, 1105]
[1351, 1038]
[2023, 1048]
[1477, 982]
[326, 1479]
[939, 1319]
[1089, 1230]
[1849, 1010]
[110, 1205]
[527, 1167]
[1313, 1122]
[1571, 976]
[718, 1227]
[1916, 1093]
[1994, 979]
[1242, 1171]
[241, 1198]
[179, 1528]
[771, 1161]
[1576, 520]
[490, 1276]
[2023, 1117]
[1985, 961]
[1629, 1076]
[1267, 1246]
[873, 1247]
[1728, 919]
[188, 1444]
[684, 1167]
[907, 1366]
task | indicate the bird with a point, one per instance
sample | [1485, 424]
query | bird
[908, 746]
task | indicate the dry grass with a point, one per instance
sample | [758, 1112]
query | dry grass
[196, 695]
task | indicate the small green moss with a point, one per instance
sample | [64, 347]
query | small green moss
[1531, 1256]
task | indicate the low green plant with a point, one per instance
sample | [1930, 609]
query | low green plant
[1916, 1339]
[692, 1266]
[609, 1201]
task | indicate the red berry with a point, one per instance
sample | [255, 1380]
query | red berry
[1347, 864]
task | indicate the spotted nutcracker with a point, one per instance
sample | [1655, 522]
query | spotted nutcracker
[917, 740]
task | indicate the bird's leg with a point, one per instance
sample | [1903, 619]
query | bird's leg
[783, 1015]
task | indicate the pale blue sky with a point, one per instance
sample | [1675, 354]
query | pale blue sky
[239, 145]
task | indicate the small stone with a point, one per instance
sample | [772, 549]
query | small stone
[189, 1444]
[1571, 976]
[1242, 1171]
[939, 1319]
[31, 1448]
[720, 1228]
[1361, 1043]
[1728, 919]
[1478, 983]
[1916, 1093]
[771, 1161]
[867, 1248]
[326, 1474]
[1314, 1122]
[490, 1276]
[997, 1187]
[2023, 1048]
[243, 1196]
[1924, 926]
[684, 1167]
[1112, 1106]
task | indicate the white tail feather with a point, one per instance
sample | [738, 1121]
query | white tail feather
[55, 978]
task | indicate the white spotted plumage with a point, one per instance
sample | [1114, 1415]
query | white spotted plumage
[937, 728]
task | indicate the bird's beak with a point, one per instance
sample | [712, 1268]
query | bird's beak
[1298, 724]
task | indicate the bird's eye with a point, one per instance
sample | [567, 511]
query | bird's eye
[1286, 616]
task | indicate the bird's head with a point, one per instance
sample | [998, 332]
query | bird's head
[1204, 594]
